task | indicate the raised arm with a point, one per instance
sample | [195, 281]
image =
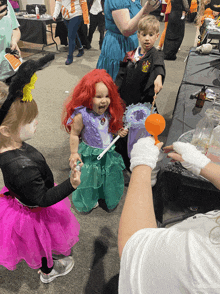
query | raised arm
[128, 26]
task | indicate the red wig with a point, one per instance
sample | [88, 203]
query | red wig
[84, 92]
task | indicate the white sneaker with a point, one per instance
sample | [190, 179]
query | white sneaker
[97, 204]
[61, 268]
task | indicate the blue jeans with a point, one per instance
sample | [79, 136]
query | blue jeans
[72, 27]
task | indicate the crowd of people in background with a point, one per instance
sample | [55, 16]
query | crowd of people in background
[130, 70]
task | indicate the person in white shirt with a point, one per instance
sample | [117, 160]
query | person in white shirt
[72, 12]
[97, 19]
[184, 258]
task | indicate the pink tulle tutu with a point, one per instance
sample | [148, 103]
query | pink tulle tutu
[32, 233]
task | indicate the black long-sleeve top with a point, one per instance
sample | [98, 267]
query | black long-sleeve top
[180, 5]
[90, 2]
[211, 6]
[27, 175]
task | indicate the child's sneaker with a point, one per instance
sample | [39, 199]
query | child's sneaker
[61, 268]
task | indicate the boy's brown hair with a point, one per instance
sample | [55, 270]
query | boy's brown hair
[148, 24]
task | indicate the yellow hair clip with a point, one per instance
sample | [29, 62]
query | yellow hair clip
[27, 89]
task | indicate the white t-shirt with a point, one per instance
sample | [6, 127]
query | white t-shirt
[183, 259]
[96, 7]
[69, 8]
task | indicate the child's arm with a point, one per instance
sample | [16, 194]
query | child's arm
[76, 129]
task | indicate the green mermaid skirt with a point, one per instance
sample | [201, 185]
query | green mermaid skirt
[100, 179]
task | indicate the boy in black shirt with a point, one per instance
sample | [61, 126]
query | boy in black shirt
[142, 72]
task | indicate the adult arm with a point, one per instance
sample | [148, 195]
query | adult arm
[214, 7]
[2, 14]
[16, 35]
[138, 211]
[57, 9]
[128, 26]
[186, 5]
[210, 171]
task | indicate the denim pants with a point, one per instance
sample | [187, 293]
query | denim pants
[72, 27]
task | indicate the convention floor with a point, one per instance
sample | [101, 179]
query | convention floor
[96, 256]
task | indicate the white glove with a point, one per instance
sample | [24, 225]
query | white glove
[144, 152]
[194, 160]
[156, 169]
[57, 9]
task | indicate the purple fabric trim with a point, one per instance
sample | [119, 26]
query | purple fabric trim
[90, 134]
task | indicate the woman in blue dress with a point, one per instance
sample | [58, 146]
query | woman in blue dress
[121, 21]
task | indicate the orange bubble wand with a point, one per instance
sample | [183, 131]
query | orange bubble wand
[155, 124]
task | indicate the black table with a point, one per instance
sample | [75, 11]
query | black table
[35, 30]
[209, 34]
[175, 184]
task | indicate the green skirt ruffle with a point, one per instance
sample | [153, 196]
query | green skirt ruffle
[100, 179]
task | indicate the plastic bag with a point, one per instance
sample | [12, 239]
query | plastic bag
[202, 135]
[214, 146]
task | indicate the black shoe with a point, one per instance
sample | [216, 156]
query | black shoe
[81, 52]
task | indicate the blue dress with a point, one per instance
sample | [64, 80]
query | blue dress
[115, 45]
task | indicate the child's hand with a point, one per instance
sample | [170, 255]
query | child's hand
[123, 132]
[74, 157]
[75, 178]
[158, 84]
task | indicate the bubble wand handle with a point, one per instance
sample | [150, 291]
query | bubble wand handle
[156, 140]
[109, 146]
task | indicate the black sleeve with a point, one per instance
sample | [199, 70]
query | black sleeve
[160, 70]
[211, 6]
[121, 75]
[31, 186]
[186, 5]
[159, 65]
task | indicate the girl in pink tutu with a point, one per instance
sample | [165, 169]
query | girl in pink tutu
[35, 216]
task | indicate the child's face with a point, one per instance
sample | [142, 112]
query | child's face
[27, 131]
[147, 40]
[101, 100]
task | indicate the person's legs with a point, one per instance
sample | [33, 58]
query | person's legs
[162, 38]
[61, 267]
[101, 28]
[83, 35]
[80, 46]
[72, 26]
[92, 26]
[45, 269]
